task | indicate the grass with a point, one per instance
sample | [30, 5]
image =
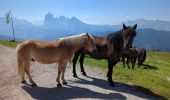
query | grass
[154, 75]
[9, 43]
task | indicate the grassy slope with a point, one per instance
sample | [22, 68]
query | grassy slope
[155, 76]
[9, 44]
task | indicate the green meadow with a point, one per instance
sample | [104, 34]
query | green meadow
[153, 76]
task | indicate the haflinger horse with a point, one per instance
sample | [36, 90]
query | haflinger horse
[109, 48]
[59, 51]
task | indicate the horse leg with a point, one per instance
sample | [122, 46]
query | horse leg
[133, 63]
[139, 62]
[21, 71]
[81, 60]
[63, 72]
[27, 70]
[123, 60]
[111, 64]
[127, 62]
[76, 55]
[22, 78]
[58, 76]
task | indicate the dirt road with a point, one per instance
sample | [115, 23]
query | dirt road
[93, 87]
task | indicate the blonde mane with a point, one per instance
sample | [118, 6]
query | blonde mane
[72, 40]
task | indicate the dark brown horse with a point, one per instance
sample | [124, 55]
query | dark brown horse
[141, 55]
[110, 48]
[130, 56]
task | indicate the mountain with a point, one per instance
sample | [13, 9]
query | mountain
[151, 39]
[72, 25]
[2, 37]
[152, 34]
[8, 38]
[154, 24]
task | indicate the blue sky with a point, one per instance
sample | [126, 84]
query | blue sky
[89, 11]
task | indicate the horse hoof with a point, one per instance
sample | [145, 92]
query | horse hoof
[84, 74]
[23, 81]
[64, 83]
[75, 75]
[33, 84]
[59, 85]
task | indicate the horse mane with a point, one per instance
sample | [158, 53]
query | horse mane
[115, 41]
[72, 40]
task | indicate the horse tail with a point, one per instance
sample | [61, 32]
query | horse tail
[144, 56]
[20, 67]
[20, 62]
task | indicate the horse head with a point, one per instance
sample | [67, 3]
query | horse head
[128, 34]
[89, 43]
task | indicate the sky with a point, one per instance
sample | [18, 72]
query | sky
[89, 11]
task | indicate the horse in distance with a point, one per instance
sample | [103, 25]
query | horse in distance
[141, 55]
[59, 51]
[131, 56]
[109, 48]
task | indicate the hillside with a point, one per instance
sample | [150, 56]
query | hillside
[152, 34]
[151, 39]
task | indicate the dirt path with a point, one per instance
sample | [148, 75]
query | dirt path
[93, 87]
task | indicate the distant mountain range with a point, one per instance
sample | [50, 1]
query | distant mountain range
[153, 24]
[152, 34]
[153, 39]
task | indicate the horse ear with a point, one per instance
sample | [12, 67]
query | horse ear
[86, 33]
[85, 36]
[124, 26]
[135, 26]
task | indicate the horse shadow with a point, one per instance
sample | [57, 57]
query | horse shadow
[69, 92]
[146, 66]
[73, 92]
[136, 90]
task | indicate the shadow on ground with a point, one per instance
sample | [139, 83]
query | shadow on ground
[70, 92]
[146, 66]
[73, 92]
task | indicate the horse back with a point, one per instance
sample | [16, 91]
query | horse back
[141, 53]
[100, 41]
[30, 47]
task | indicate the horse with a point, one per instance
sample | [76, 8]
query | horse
[109, 48]
[101, 45]
[59, 51]
[131, 56]
[141, 55]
